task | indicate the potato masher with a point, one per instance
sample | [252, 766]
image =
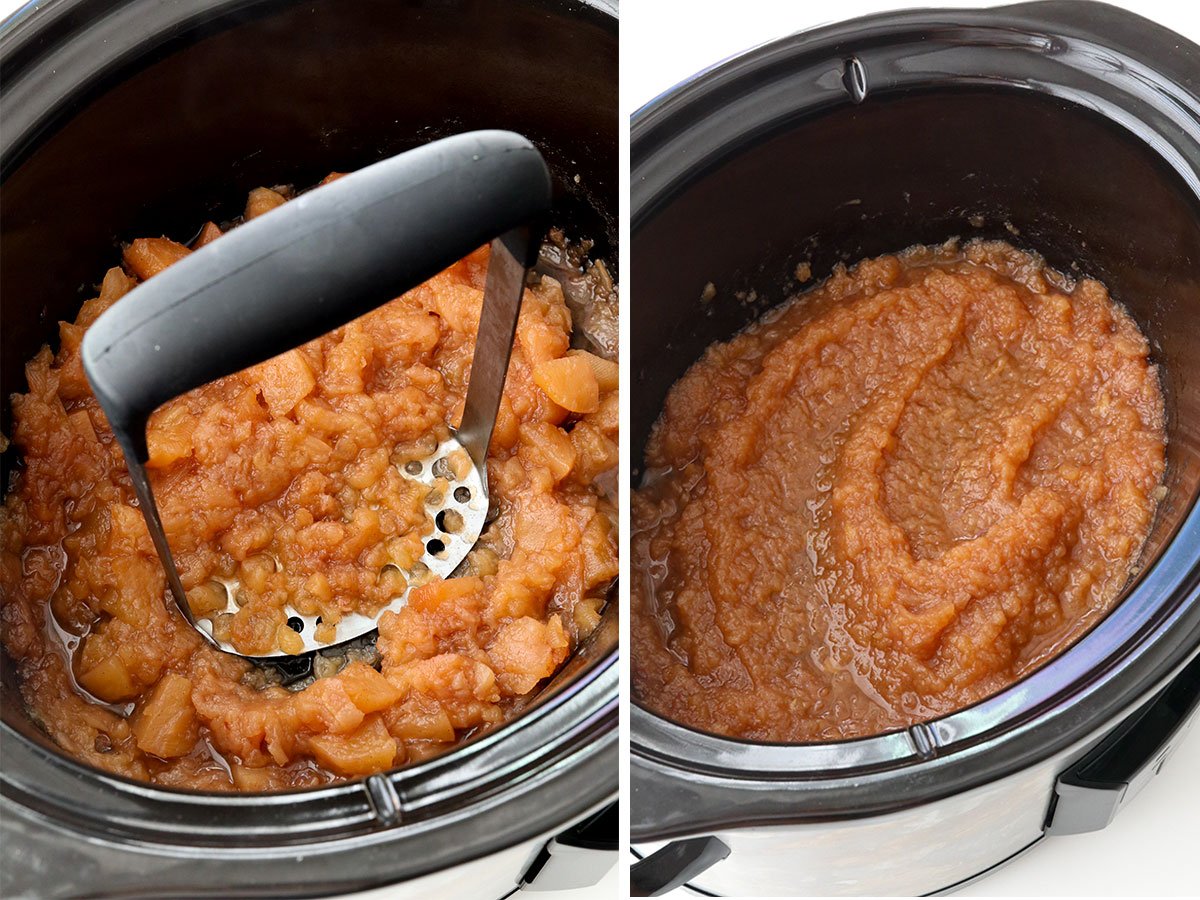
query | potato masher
[272, 284]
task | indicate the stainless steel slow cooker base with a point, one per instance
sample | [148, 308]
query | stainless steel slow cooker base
[939, 847]
[1068, 128]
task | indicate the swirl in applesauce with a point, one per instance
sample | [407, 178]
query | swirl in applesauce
[892, 497]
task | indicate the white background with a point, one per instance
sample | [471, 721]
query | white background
[1153, 846]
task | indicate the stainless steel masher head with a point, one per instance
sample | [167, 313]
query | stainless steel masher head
[325, 258]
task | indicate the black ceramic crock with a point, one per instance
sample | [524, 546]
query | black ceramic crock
[136, 117]
[1069, 128]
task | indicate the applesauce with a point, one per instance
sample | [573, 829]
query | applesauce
[285, 479]
[892, 496]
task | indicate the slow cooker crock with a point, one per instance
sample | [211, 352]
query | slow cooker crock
[140, 117]
[1069, 128]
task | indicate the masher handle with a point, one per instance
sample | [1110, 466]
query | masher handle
[313, 264]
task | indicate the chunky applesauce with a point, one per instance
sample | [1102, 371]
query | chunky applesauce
[892, 497]
[285, 480]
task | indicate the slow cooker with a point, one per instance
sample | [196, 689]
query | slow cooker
[140, 117]
[1068, 128]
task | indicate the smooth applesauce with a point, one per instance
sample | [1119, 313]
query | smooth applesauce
[892, 497]
[286, 480]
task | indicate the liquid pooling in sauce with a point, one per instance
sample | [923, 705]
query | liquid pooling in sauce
[892, 497]
[284, 479]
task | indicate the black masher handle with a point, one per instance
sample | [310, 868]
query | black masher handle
[313, 264]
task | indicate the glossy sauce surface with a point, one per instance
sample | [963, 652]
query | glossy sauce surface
[892, 497]
[285, 478]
